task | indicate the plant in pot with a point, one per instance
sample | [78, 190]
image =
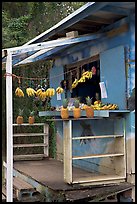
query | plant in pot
[64, 109]
[19, 119]
[89, 110]
[31, 119]
[76, 109]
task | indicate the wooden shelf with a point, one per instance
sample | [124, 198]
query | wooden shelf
[31, 145]
[27, 124]
[99, 178]
[28, 134]
[96, 137]
[98, 156]
[28, 156]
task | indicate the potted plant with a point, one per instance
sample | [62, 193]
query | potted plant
[89, 110]
[76, 109]
[19, 118]
[64, 109]
[31, 119]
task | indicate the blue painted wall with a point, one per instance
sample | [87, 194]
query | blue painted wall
[86, 50]
[121, 80]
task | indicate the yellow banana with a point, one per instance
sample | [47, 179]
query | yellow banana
[19, 92]
[30, 91]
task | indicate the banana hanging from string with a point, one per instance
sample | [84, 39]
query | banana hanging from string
[41, 93]
[59, 90]
[74, 84]
[19, 92]
[50, 92]
[30, 92]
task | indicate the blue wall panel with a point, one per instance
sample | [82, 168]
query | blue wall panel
[112, 73]
[56, 76]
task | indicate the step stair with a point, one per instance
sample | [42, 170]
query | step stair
[23, 191]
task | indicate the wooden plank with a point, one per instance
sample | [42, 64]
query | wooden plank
[4, 193]
[46, 139]
[96, 137]
[21, 185]
[72, 34]
[27, 124]
[118, 31]
[67, 147]
[53, 43]
[28, 134]
[98, 178]
[30, 145]
[9, 122]
[29, 156]
[97, 156]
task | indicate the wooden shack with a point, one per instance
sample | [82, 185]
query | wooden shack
[100, 34]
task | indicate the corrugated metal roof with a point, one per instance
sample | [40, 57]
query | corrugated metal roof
[91, 19]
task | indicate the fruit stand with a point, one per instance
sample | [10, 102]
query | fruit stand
[82, 149]
[94, 143]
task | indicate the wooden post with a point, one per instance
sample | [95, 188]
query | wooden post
[9, 120]
[46, 139]
[67, 132]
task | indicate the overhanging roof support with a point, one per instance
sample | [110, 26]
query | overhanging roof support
[9, 133]
[53, 43]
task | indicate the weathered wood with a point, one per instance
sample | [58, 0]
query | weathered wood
[46, 139]
[72, 34]
[118, 31]
[29, 156]
[97, 156]
[21, 185]
[94, 137]
[30, 145]
[67, 147]
[29, 134]
[27, 124]
[98, 178]
[53, 43]
[9, 116]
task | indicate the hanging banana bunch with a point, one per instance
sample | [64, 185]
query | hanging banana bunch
[59, 90]
[30, 92]
[19, 92]
[74, 84]
[41, 93]
[50, 92]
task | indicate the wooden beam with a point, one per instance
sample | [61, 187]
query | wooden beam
[9, 121]
[53, 43]
[81, 13]
[116, 10]
[96, 19]
[72, 34]
[67, 147]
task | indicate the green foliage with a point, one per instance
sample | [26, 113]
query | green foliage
[88, 101]
[65, 103]
[76, 103]
[21, 112]
[31, 19]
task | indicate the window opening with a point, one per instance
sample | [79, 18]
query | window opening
[90, 87]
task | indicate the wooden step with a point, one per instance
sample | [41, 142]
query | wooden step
[31, 145]
[21, 185]
[25, 191]
[96, 137]
[29, 156]
[4, 194]
[29, 134]
[98, 156]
